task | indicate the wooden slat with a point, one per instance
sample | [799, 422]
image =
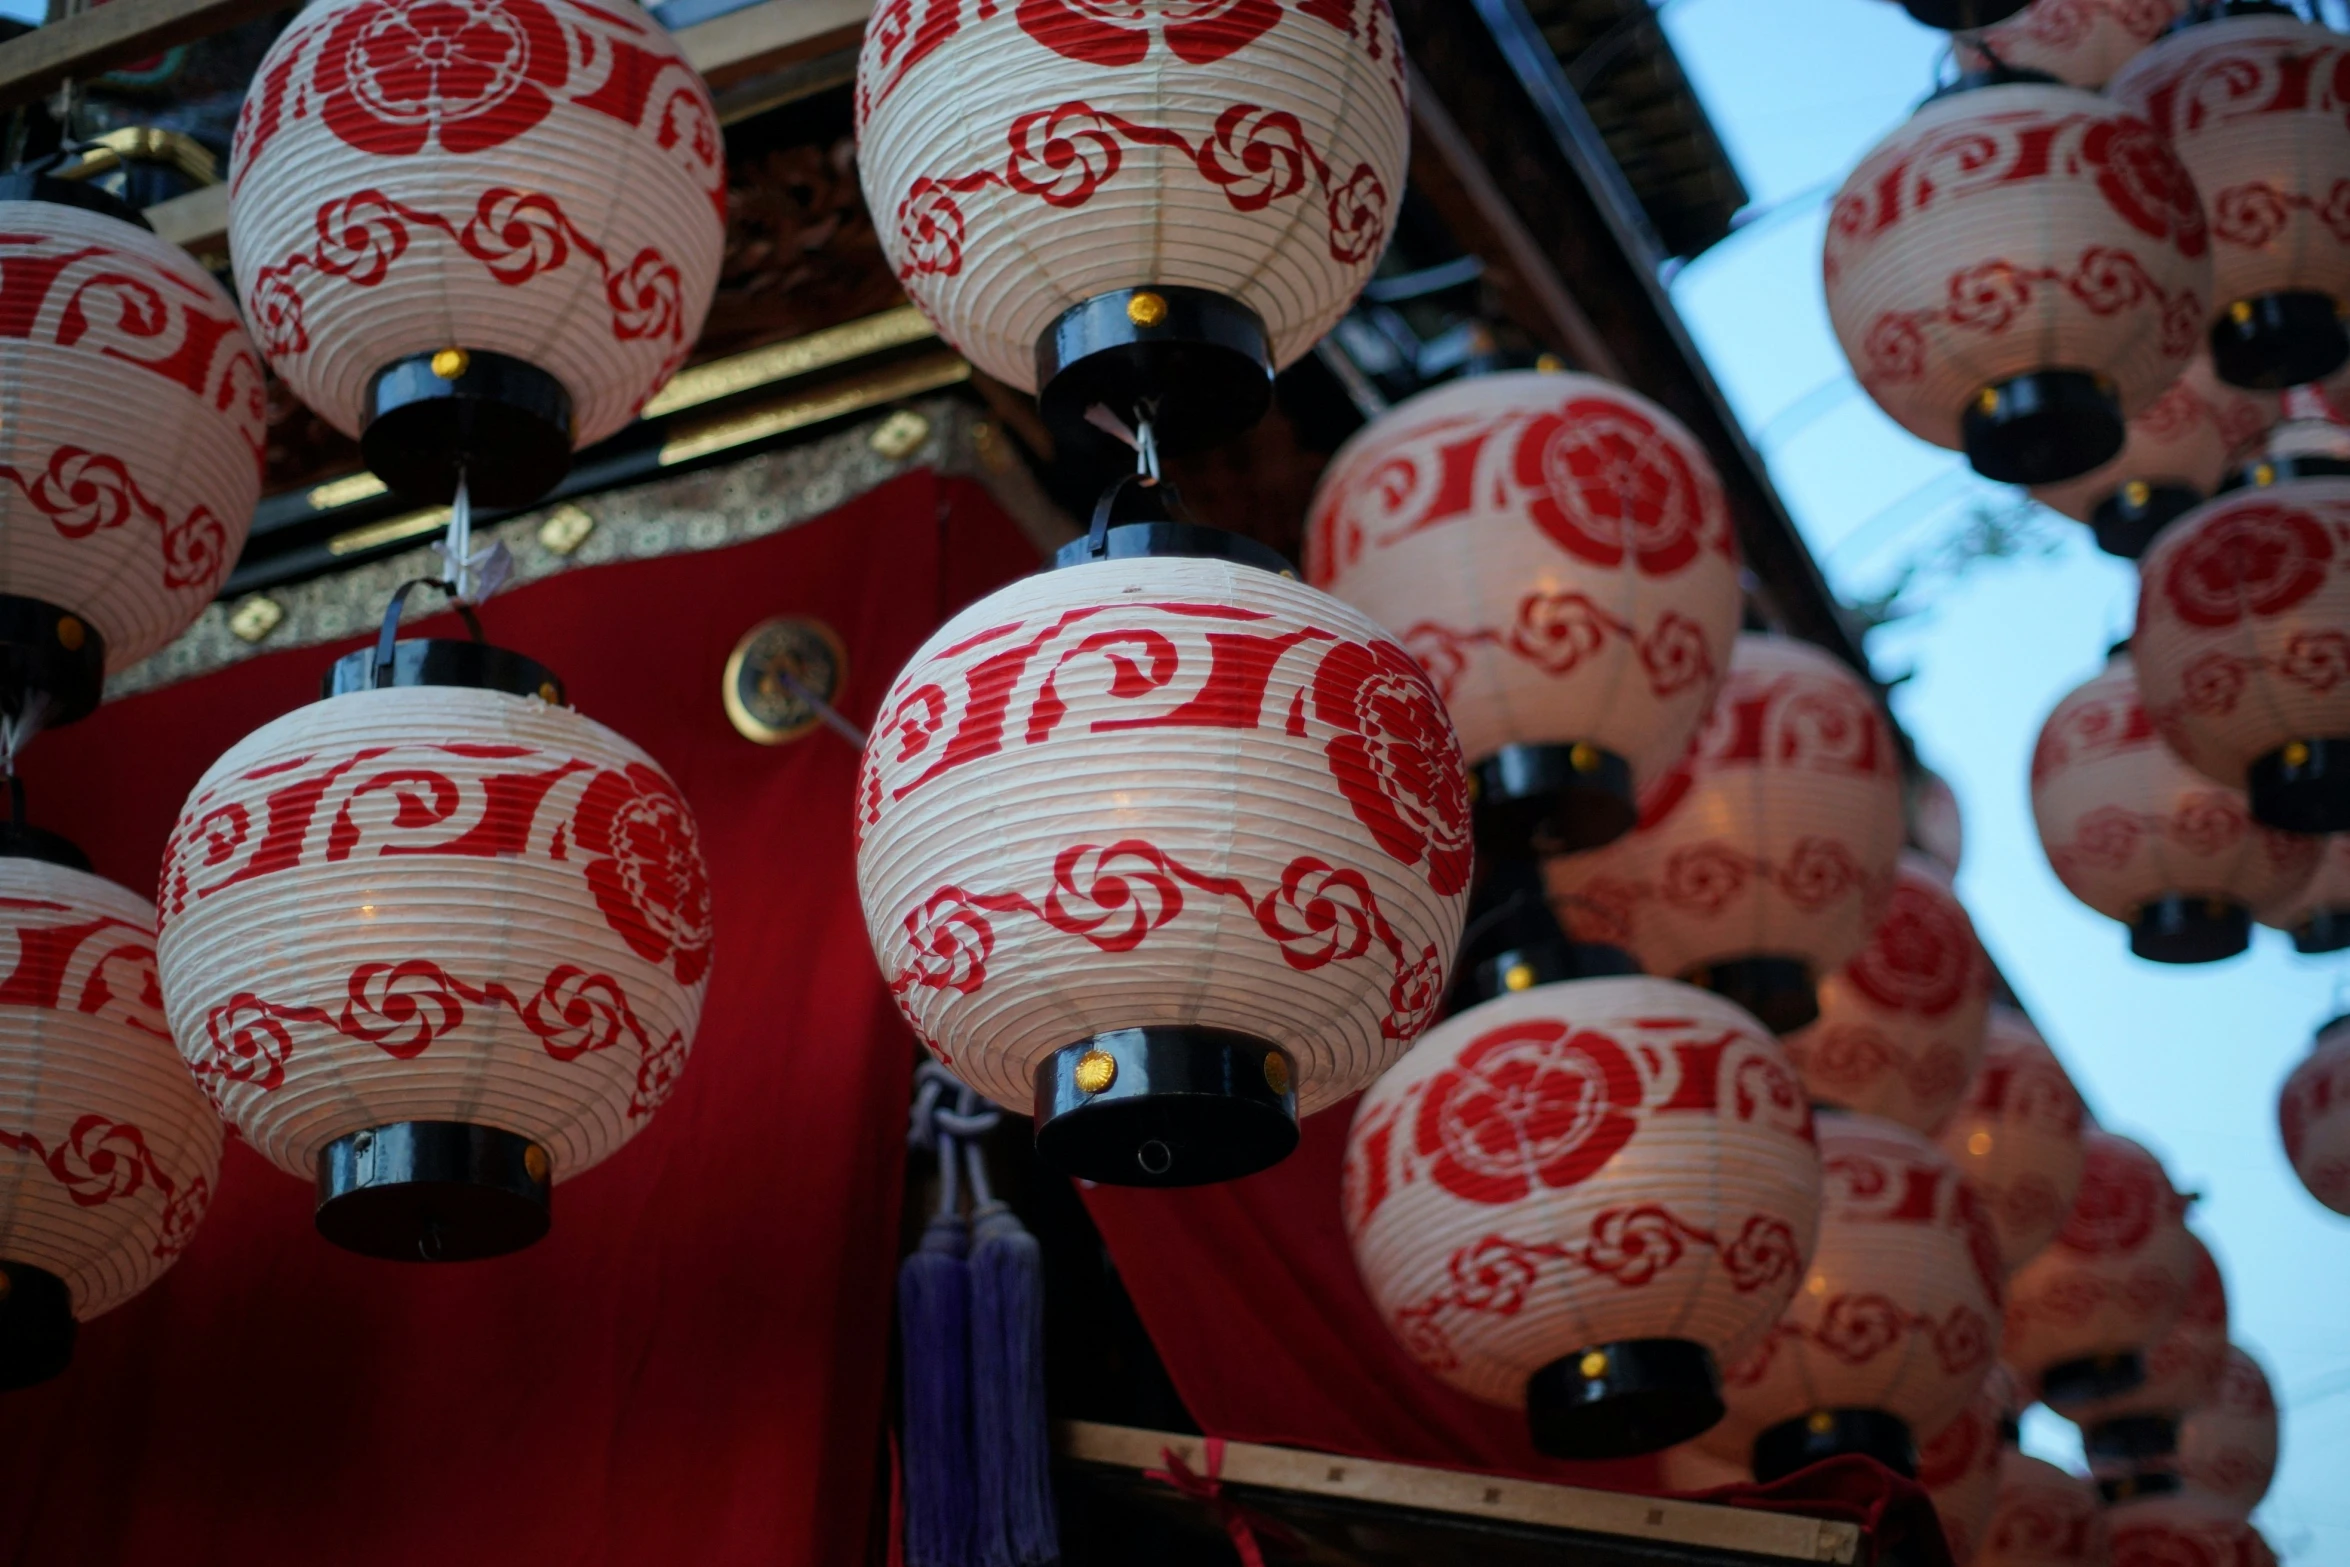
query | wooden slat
[1490, 1498]
[197, 221]
[98, 40]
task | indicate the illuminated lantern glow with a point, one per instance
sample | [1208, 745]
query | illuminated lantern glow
[130, 459]
[2083, 1314]
[476, 234]
[436, 946]
[2043, 1517]
[1959, 1467]
[1935, 824]
[1762, 861]
[2016, 272]
[2313, 1117]
[2255, 107]
[1896, 1323]
[2017, 1135]
[1557, 553]
[108, 1154]
[1134, 204]
[2177, 453]
[1143, 823]
[2182, 1371]
[2164, 1524]
[1901, 1025]
[2228, 1445]
[2139, 836]
[1582, 1199]
[2079, 42]
[2318, 915]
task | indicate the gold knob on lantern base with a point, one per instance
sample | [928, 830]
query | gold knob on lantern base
[1096, 1071]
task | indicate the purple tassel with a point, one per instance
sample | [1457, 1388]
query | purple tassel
[1012, 1443]
[934, 1325]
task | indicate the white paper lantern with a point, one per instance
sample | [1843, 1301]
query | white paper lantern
[538, 184]
[2044, 1517]
[429, 905]
[1182, 795]
[1959, 1467]
[2318, 915]
[2313, 1116]
[1935, 824]
[1901, 1025]
[2177, 452]
[1688, 1467]
[2184, 1528]
[1897, 1321]
[2140, 1425]
[108, 1154]
[1762, 861]
[2255, 107]
[2082, 1315]
[2017, 1135]
[2017, 271]
[2082, 42]
[1557, 554]
[2140, 837]
[1582, 1200]
[2228, 1444]
[2243, 647]
[131, 455]
[1023, 161]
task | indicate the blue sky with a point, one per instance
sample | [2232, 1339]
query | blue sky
[2186, 1060]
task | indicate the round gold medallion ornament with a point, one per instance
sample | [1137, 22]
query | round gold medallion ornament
[772, 671]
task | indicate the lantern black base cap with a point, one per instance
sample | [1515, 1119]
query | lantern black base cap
[433, 1191]
[33, 185]
[1621, 1400]
[2126, 527]
[1835, 1433]
[1961, 15]
[1172, 540]
[2274, 341]
[1198, 363]
[2182, 929]
[1778, 991]
[2130, 1437]
[19, 842]
[2328, 930]
[2092, 1377]
[444, 661]
[1162, 1107]
[1551, 799]
[37, 1328]
[2303, 787]
[2131, 1487]
[502, 421]
[2043, 428]
[49, 656]
[1545, 963]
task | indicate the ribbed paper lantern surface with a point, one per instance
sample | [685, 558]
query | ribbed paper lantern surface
[1023, 160]
[534, 180]
[108, 1154]
[1557, 554]
[1901, 1025]
[1897, 1320]
[2182, 1371]
[2228, 1445]
[425, 905]
[2184, 1528]
[2256, 108]
[1584, 1198]
[1690, 1467]
[2017, 271]
[131, 455]
[2082, 42]
[1170, 794]
[2044, 1517]
[2176, 454]
[2143, 838]
[2313, 1115]
[1935, 824]
[2082, 1315]
[1762, 861]
[1959, 1467]
[2243, 646]
[2317, 915]
[2017, 1135]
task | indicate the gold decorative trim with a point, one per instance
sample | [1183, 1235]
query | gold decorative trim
[834, 345]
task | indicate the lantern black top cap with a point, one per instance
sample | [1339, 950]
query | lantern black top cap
[1136, 518]
[1995, 73]
[20, 840]
[41, 182]
[438, 661]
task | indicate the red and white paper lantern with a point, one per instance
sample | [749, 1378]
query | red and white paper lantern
[2184, 1528]
[1688, 1466]
[2043, 1517]
[1763, 860]
[435, 904]
[2176, 453]
[130, 459]
[2140, 837]
[2228, 1443]
[2082, 42]
[2017, 1135]
[1557, 554]
[2318, 915]
[1022, 160]
[2313, 1116]
[2085, 1312]
[1897, 1321]
[2182, 1371]
[1959, 1467]
[1901, 1025]
[2258, 109]
[1561, 1173]
[1935, 824]
[2243, 646]
[108, 1154]
[2025, 230]
[541, 179]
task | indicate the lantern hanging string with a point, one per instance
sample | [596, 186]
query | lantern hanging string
[16, 732]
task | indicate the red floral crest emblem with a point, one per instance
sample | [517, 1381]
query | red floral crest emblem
[2118, 1206]
[1120, 32]
[2259, 559]
[1396, 758]
[1921, 956]
[1531, 1104]
[396, 74]
[1605, 483]
[646, 869]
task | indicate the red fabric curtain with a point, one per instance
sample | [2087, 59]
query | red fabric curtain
[691, 1367]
